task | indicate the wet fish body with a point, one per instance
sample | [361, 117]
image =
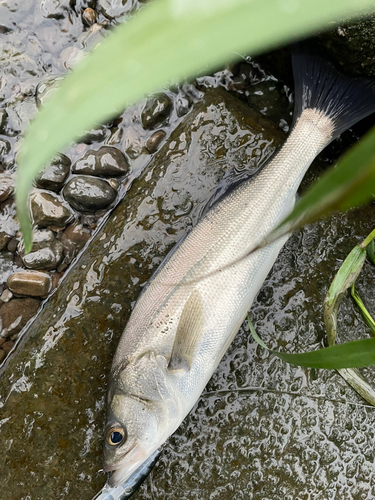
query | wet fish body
[193, 306]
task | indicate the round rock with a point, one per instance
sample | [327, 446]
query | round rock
[156, 111]
[88, 193]
[53, 177]
[106, 161]
[74, 239]
[89, 16]
[32, 283]
[46, 252]
[16, 313]
[154, 141]
[49, 210]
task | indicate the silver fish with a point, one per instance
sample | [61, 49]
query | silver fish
[193, 306]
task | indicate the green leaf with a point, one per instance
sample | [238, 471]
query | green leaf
[349, 355]
[168, 40]
[344, 279]
[350, 184]
[366, 315]
[370, 250]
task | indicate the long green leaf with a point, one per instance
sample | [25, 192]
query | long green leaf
[358, 353]
[167, 40]
[350, 184]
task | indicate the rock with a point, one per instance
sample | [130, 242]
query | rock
[94, 135]
[89, 16]
[156, 111]
[182, 105]
[49, 210]
[16, 313]
[7, 346]
[74, 239]
[12, 245]
[32, 283]
[113, 9]
[70, 57]
[106, 161]
[6, 186]
[54, 9]
[53, 177]
[6, 295]
[132, 142]
[154, 141]
[46, 89]
[8, 222]
[88, 193]
[7, 265]
[5, 149]
[3, 355]
[3, 120]
[46, 252]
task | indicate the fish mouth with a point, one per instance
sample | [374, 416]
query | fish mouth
[130, 461]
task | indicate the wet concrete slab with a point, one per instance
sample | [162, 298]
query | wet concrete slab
[53, 386]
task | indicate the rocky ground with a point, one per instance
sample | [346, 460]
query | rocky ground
[105, 213]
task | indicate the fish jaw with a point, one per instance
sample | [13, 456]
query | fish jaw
[131, 461]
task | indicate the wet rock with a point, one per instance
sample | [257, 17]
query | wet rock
[16, 313]
[5, 149]
[46, 89]
[88, 193]
[54, 9]
[53, 177]
[182, 105]
[3, 120]
[7, 346]
[6, 295]
[97, 134]
[21, 110]
[3, 355]
[12, 245]
[32, 283]
[89, 16]
[107, 161]
[8, 222]
[74, 239]
[132, 142]
[156, 111]
[71, 343]
[46, 252]
[113, 9]
[154, 141]
[70, 57]
[7, 265]
[6, 186]
[49, 210]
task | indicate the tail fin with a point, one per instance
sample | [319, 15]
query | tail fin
[319, 85]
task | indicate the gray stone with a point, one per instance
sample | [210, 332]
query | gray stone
[5, 148]
[46, 252]
[53, 177]
[16, 313]
[107, 161]
[132, 142]
[74, 239]
[97, 134]
[8, 222]
[54, 9]
[182, 105]
[32, 283]
[3, 120]
[88, 193]
[156, 111]
[154, 141]
[7, 265]
[49, 210]
[113, 9]
[6, 186]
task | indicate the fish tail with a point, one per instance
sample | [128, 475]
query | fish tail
[320, 86]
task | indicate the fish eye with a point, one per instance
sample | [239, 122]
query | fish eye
[116, 435]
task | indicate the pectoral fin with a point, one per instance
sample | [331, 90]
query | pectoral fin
[189, 333]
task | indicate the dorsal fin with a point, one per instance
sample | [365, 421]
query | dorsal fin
[189, 333]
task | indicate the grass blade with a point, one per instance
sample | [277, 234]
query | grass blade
[366, 315]
[167, 40]
[358, 353]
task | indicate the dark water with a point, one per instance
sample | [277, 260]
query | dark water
[262, 429]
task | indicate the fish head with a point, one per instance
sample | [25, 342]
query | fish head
[131, 436]
[141, 414]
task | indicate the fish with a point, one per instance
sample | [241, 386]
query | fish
[192, 307]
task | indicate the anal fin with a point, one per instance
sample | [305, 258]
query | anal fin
[189, 333]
